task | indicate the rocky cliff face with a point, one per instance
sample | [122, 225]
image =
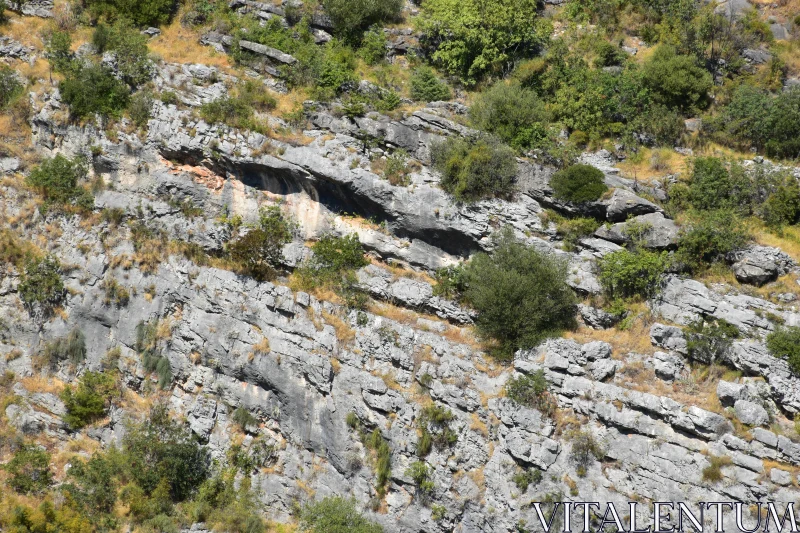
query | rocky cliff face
[314, 375]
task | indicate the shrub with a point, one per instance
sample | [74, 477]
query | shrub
[140, 108]
[511, 112]
[234, 112]
[352, 16]
[58, 50]
[572, 229]
[29, 470]
[709, 237]
[713, 472]
[161, 450]
[449, 281]
[578, 183]
[152, 358]
[140, 12]
[585, 451]
[89, 401]
[260, 251]
[521, 294]
[472, 38]
[708, 342]
[426, 87]
[373, 46]
[609, 55]
[526, 477]
[421, 475]
[242, 418]
[116, 294]
[397, 168]
[676, 80]
[335, 255]
[335, 514]
[40, 284]
[532, 391]
[10, 86]
[383, 459]
[434, 425]
[57, 178]
[782, 206]
[474, 169]
[70, 348]
[628, 274]
[713, 186]
[130, 52]
[784, 342]
[93, 89]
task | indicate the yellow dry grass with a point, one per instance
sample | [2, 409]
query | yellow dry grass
[26, 30]
[787, 240]
[178, 44]
[42, 384]
[344, 332]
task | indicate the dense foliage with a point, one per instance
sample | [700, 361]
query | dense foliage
[89, 400]
[335, 514]
[260, 250]
[578, 184]
[57, 179]
[532, 391]
[140, 12]
[473, 169]
[521, 294]
[353, 16]
[41, 284]
[474, 38]
[628, 274]
[784, 342]
[513, 113]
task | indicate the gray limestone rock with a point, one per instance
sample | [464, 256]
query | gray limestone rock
[657, 231]
[750, 413]
[758, 265]
[623, 204]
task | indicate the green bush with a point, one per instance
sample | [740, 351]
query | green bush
[93, 89]
[373, 46]
[513, 113]
[676, 80]
[147, 344]
[710, 341]
[421, 475]
[782, 206]
[713, 472]
[10, 86]
[335, 255]
[41, 284]
[609, 55]
[161, 450]
[521, 294]
[58, 50]
[526, 477]
[784, 342]
[572, 230]
[473, 38]
[475, 169]
[426, 87]
[70, 348]
[140, 108]
[434, 425]
[709, 237]
[632, 274]
[383, 457]
[242, 418]
[29, 470]
[89, 401]
[260, 251]
[57, 179]
[140, 12]
[130, 50]
[585, 451]
[578, 184]
[335, 514]
[350, 17]
[532, 391]
[712, 185]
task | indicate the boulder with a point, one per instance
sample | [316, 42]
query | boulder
[756, 56]
[596, 350]
[268, 52]
[729, 393]
[597, 318]
[668, 337]
[750, 413]
[623, 204]
[668, 366]
[758, 265]
[658, 231]
[603, 369]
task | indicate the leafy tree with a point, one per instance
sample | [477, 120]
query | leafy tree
[93, 486]
[609, 55]
[93, 89]
[782, 206]
[57, 178]
[676, 80]
[140, 12]
[41, 284]
[709, 237]
[511, 112]
[784, 342]
[130, 50]
[29, 469]
[713, 186]
[473, 38]
[521, 294]
[373, 46]
[709, 341]
[350, 17]
[426, 87]
[260, 251]
[58, 50]
[89, 400]
[335, 514]
[626, 274]
[10, 86]
[162, 451]
[475, 168]
[578, 183]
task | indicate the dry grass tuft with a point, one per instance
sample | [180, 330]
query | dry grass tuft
[344, 332]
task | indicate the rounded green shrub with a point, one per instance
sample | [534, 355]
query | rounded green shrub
[475, 169]
[578, 184]
[511, 112]
[627, 274]
[784, 343]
